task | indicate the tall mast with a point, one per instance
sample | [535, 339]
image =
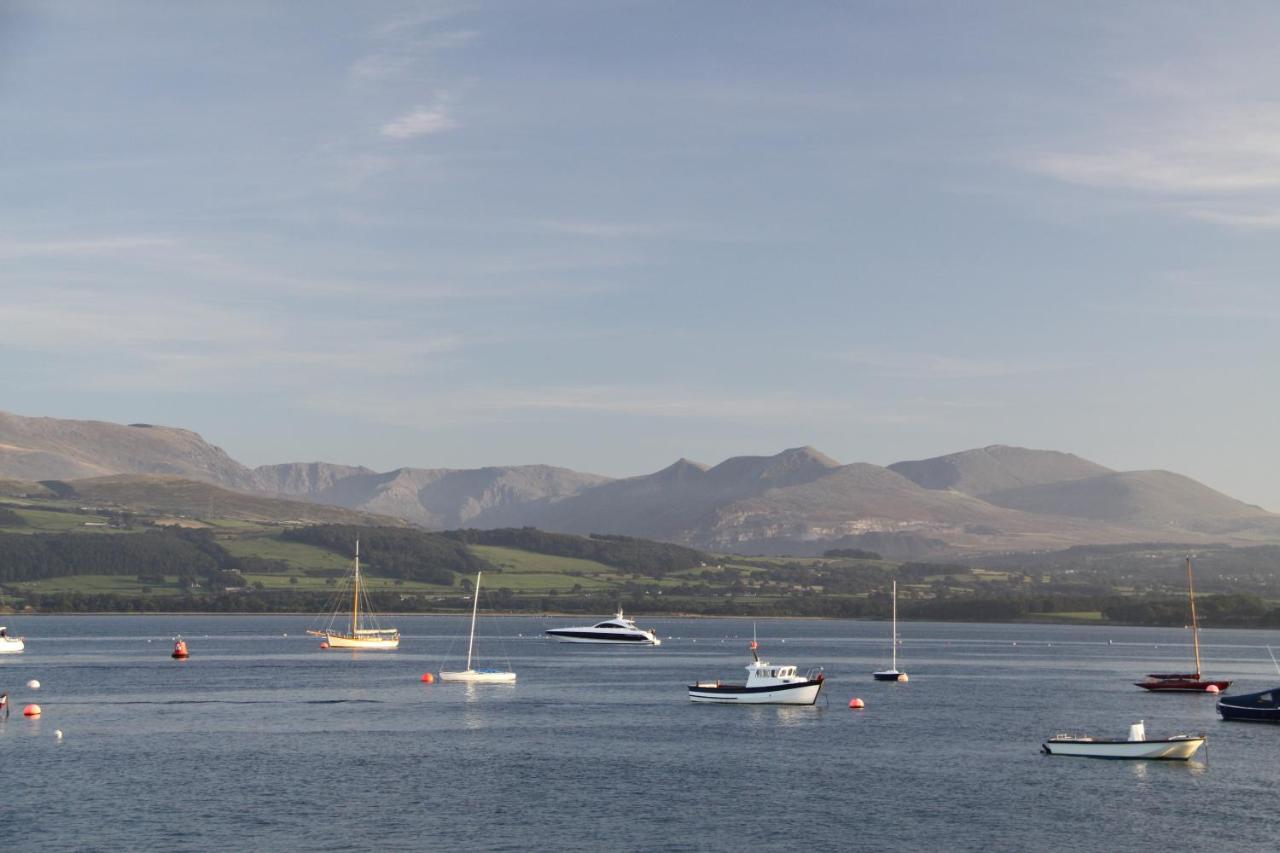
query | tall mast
[355, 599]
[895, 624]
[475, 602]
[1195, 626]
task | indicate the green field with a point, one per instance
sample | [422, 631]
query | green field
[51, 521]
[98, 584]
[272, 547]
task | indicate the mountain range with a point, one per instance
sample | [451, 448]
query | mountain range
[799, 501]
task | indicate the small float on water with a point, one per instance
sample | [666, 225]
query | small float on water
[767, 684]
[1136, 746]
[180, 649]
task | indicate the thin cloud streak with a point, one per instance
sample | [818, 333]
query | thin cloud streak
[421, 121]
[922, 366]
[460, 408]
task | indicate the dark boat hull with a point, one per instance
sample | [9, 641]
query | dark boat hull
[1179, 683]
[1262, 707]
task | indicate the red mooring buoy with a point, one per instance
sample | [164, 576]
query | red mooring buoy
[31, 711]
[857, 704]
[428, 678]
[324, 645]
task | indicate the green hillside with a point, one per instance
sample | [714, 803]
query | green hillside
[65, 554]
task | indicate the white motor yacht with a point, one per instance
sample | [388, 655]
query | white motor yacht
[619, 630]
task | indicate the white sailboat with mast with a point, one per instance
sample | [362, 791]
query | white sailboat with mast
[477, 676]
[364, 632]
[892, 674]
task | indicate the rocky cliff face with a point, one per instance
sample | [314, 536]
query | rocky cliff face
[434, 497]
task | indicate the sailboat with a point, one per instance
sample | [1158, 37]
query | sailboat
[358, 636]
[477, 676]
[1185, 682]
[892, 674]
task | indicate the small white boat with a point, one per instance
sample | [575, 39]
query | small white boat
[619, 630]
[363, 633]
[766, 684]
[10, 645]
[892, 673]
[1136, 746]
[478, 676]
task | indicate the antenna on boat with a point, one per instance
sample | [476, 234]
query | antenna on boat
[754, 644]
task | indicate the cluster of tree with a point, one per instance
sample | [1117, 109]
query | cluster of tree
[9, 518]
[1225, 611]
[851, 554]
[50, 555]
[639, 556]
[395, 552]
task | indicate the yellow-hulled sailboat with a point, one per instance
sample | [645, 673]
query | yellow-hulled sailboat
[364, 632]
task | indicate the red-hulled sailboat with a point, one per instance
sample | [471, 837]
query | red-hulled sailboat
[1185, 682]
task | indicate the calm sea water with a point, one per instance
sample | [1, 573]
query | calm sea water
[262, 741]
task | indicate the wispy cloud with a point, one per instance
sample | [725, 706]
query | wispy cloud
[11, 249]
[1203, 294]
[927, 366]
[420, 121]
[500, 405]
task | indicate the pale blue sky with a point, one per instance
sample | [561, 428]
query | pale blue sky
[605, 235]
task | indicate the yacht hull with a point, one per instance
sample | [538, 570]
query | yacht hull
[11, 645]
[1173, 749]
[1261, 707]
[570, 636]
[800, 693]
[472, 676]
[366, 643]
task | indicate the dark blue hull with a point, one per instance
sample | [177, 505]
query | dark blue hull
[1261, 707]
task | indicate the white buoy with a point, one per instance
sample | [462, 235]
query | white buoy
[33, 684]
[57, 734]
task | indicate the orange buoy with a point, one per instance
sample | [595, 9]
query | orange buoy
[324, 645]
[180, 650]
[1212, 688]
[427, 678]
[857, 704]
[31, 711]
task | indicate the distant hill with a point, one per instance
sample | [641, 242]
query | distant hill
[997, 468]
[992, 499]
[439, 498]
[53, 449]
[178, 496]
[1153, 499]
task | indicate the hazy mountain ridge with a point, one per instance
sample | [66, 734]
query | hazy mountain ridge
[996, 498]
[35, 449]
[997, 468]
[442, 498]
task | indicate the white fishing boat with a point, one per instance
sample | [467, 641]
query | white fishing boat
[619, 630]
[363, 631]
[766, 684]
[477, 676]
[892, 673]
[1136, 746]
[10, 645]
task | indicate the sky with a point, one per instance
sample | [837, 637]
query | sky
[605, 235]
